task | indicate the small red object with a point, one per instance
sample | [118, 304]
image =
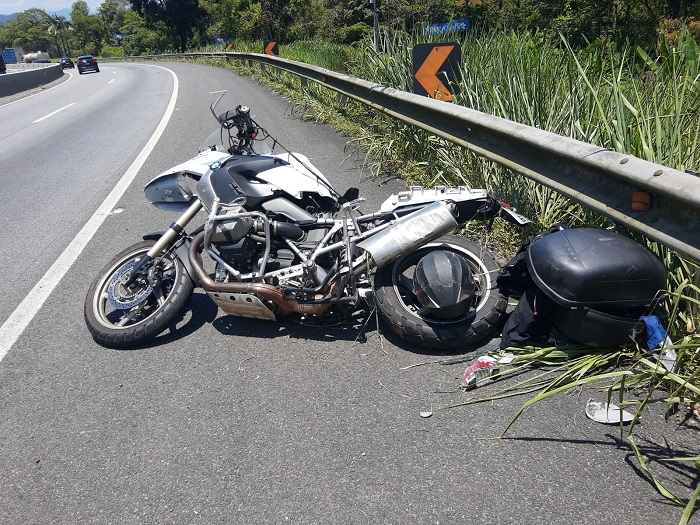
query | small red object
[482, 368]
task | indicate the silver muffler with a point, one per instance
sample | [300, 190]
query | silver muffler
[410, 232]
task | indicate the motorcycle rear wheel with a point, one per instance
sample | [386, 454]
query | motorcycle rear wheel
[403, 312]
[118, 317]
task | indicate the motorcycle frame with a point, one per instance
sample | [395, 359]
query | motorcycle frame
[169, 191]
[353, 229]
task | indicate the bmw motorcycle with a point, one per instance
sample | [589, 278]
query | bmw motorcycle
[278, 240]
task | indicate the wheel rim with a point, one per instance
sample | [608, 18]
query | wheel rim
[402, 281]
[117, 307]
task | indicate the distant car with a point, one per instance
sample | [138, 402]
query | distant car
[66, 63]
[87, 63]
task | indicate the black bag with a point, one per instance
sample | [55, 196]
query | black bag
[584, 285]
[529, 323]
[513, 279]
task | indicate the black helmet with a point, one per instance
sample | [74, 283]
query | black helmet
[444, 284]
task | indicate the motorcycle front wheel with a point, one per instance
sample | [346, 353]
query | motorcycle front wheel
[400, 307]
[121, 317]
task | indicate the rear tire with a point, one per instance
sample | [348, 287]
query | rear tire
[401, 309]
[118, 317]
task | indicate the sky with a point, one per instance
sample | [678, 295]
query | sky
[8, 7]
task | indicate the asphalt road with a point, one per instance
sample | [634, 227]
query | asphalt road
[62, 151]
[223, 420]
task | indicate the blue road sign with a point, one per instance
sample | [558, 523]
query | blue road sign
[8, 56]
[447, 27]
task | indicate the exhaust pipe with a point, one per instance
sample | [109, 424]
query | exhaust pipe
[410, 232]
[266, 291]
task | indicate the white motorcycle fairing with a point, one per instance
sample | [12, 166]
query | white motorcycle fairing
[170, 190]
[297, 178]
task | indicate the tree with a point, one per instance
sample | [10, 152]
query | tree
[28, 31]
[251, 22]
[79, 8]
[58, 26]
[407, 15]
[347, 20]
[179, 17]
[111, 14]
[307, 19]
[584, 21]
[88, 32]
[225, 16]
[138, 38]
[275, 18]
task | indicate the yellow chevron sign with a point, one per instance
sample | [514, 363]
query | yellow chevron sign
[271, 48]
[436, 69]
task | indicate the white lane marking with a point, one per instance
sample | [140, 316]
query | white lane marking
[30, 305]
[111, 81]
[52, 114]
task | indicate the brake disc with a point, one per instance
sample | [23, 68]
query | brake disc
[122, 298]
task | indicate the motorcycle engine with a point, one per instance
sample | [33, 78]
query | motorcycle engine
[284, 268]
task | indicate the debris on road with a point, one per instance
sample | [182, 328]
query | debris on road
[506, 359]
[607, 413]
[657, 339]
[484, 367]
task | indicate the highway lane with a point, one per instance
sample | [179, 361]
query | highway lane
[230, 421]
[61, 152]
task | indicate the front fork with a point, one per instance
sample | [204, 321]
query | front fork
[172, 233]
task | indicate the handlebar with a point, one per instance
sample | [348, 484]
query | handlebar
[246, 129]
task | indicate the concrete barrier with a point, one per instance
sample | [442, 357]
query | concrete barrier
[18, 81]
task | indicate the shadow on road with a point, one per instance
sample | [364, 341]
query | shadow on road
[681, 477]
[200, 311]
[357, 328]
[329, 329]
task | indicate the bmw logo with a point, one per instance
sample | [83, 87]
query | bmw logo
[216, 165]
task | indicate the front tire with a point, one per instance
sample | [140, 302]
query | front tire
[401, 309]
[120, 317]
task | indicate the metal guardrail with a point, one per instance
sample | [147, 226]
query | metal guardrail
[599, 179]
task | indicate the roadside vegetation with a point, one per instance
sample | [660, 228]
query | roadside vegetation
[144, 27]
